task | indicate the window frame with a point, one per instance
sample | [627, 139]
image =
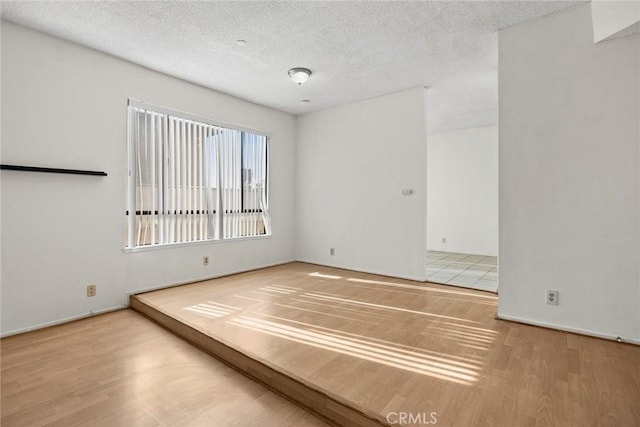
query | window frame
[131, 165]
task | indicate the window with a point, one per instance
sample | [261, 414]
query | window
[191, 180]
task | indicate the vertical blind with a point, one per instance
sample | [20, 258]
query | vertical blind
[190, 180]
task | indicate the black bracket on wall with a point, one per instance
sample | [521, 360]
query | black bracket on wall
[51, 170]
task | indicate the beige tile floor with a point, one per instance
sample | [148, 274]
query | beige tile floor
[467, 270]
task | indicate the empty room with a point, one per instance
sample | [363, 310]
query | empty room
[311, 213]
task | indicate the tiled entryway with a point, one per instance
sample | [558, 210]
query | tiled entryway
[467, 270]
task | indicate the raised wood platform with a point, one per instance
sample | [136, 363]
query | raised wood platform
[363, 350]
[305, 394]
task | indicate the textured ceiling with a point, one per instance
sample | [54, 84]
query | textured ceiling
[356, 50]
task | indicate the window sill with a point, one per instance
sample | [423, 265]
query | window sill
[196, 243]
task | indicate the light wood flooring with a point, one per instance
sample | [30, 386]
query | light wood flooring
[389, 346]
[385, 345]
[121, 369]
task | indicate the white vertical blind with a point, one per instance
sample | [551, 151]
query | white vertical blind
[191, 180]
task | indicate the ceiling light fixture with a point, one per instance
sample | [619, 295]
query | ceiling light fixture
[241, 42]
[299, 75]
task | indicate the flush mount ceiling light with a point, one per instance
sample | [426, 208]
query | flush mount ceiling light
[299, 75]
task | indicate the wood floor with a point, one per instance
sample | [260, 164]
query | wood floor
[390, 347]
[121, 369]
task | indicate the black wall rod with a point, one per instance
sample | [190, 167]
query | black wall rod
[51, 170]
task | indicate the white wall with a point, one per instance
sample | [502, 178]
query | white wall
[462, 191]
[353, 161]
[569, 176]
[614, 18]
[64, 105]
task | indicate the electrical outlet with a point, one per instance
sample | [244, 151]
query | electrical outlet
[552, 297]
[91, 290]
[332, 251]
[444, 240]
[205, 260]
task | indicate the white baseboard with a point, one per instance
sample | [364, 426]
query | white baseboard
[127, 294]
[568, 329]
[61, 321]
[360, 270]
[201, 279]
